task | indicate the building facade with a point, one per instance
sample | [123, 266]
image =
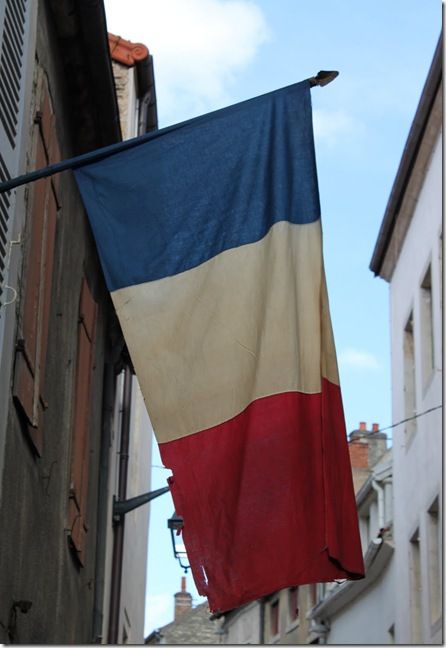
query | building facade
[408, 254]
[66, 379]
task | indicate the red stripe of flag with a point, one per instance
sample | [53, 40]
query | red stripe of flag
[269, 500]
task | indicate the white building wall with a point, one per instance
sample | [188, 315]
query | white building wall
[417, 462]
[244, 627]
[125, 82]
[132, 608]
[136, 522]
[369, 618]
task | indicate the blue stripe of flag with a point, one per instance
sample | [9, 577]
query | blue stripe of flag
[203, 186]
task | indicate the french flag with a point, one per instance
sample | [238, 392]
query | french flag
[210, 238]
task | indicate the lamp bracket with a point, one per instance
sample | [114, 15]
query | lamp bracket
[122, 507]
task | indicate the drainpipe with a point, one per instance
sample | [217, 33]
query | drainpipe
[118, 529]
[143, 113]
[107, 421]
[380, 492]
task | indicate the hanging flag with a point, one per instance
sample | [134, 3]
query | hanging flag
[210, 239]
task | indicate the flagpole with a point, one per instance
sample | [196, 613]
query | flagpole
[322, 78]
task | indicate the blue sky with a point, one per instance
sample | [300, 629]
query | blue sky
[212, 53]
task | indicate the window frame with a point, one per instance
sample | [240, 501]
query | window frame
[274, 619]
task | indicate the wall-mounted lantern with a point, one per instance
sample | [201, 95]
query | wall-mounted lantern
[175, 524]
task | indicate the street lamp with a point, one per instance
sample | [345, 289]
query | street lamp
[175, 524]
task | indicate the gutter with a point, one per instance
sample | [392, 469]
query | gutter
[408, 159]
[88, 76]
[148, 120]
[95, 46]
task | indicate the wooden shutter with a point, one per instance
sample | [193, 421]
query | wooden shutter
[5, 211]
[14, 22]
[29, 374]
[77, 523]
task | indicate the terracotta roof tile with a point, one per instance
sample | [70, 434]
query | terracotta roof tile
[125, 52]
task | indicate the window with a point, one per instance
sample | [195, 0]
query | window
[434, 562]
[409, 379]
[426, 321]
[293, 604]
[415, 588]
[30, 362]
[77, 507]
[313, 594]
[274, 618]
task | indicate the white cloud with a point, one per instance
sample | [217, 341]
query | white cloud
[198, 47]
[159, 611]
[358, 359]
[331, 125]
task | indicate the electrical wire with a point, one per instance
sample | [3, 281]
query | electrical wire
[411, 418]
[389, 427]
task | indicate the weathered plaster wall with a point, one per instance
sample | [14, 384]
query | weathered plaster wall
[36, 563]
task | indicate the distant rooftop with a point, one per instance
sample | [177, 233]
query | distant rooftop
[192, 628]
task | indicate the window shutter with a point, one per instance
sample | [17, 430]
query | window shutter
[5, 207]
[29, 374]
[14, 23]
[11, 61]
[77, 524]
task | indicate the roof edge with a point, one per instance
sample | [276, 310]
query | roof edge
[409, 157]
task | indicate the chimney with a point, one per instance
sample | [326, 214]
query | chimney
[366, 447]
[183, 600]
[377, 444]
[359, 448]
